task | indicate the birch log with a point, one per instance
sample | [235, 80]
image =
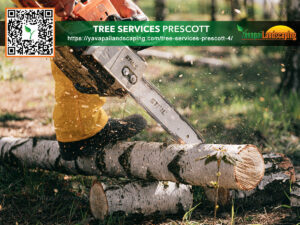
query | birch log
[139, 198]
[295, 192]
[274, 188]
[148, 161]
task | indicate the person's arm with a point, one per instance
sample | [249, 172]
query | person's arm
[126, 8]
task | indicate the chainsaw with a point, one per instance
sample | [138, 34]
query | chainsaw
[117, 71]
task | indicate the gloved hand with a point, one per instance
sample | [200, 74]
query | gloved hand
[127, 9]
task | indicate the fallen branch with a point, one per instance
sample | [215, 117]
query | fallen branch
[188, 60]
[148, 161]
[144, 198]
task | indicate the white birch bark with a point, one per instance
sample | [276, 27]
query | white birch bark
[148, 161]
[139, 198]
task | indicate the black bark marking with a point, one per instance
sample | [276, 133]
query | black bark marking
[180, 208]
[100, 161]
[79, 170]
[163, 146]
[149, 176]
[11, 158]
[174, 168]
[48, 151]
[296, 184]
[34, 142]
[56, 163]
[112, 188]
[2, 153]
[16, 145]
[60, 167]
[125, 160]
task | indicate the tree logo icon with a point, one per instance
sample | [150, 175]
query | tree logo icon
[30, 31]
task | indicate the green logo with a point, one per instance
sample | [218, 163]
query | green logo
[249, 35]
[28, 30]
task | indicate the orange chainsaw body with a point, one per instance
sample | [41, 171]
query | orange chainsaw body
[94, 10]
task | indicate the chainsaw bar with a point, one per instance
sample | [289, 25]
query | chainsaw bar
[127, 68]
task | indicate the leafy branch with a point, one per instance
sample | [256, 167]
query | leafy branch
[218, 155]
[28, 30]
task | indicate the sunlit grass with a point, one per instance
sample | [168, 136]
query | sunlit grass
[236, 105]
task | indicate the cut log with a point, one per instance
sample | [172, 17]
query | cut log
[145, 198]
[148, 161]
[187, 60]
[274, 188]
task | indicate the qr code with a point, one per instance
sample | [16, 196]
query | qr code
[30, 32]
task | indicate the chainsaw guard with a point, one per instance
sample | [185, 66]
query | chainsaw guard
[86, 75]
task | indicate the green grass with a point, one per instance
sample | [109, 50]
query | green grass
[237, 105]
[38, 197]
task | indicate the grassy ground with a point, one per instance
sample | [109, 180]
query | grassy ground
[235, 105]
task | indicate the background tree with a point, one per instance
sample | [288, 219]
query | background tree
[160, 10]
[234, 5]
[281, 9]
[266, 10]
[290, 81]
[213, 10]
[251, 10]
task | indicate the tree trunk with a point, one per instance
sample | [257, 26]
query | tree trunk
[245, 4]
[213, 10]
[266, 10]
[274, 188]
[139, 198]
[281, 10]
[290, 82]
[160, 10]
[148, 161]
[234, 4]
[251, 10]
[187, 60]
